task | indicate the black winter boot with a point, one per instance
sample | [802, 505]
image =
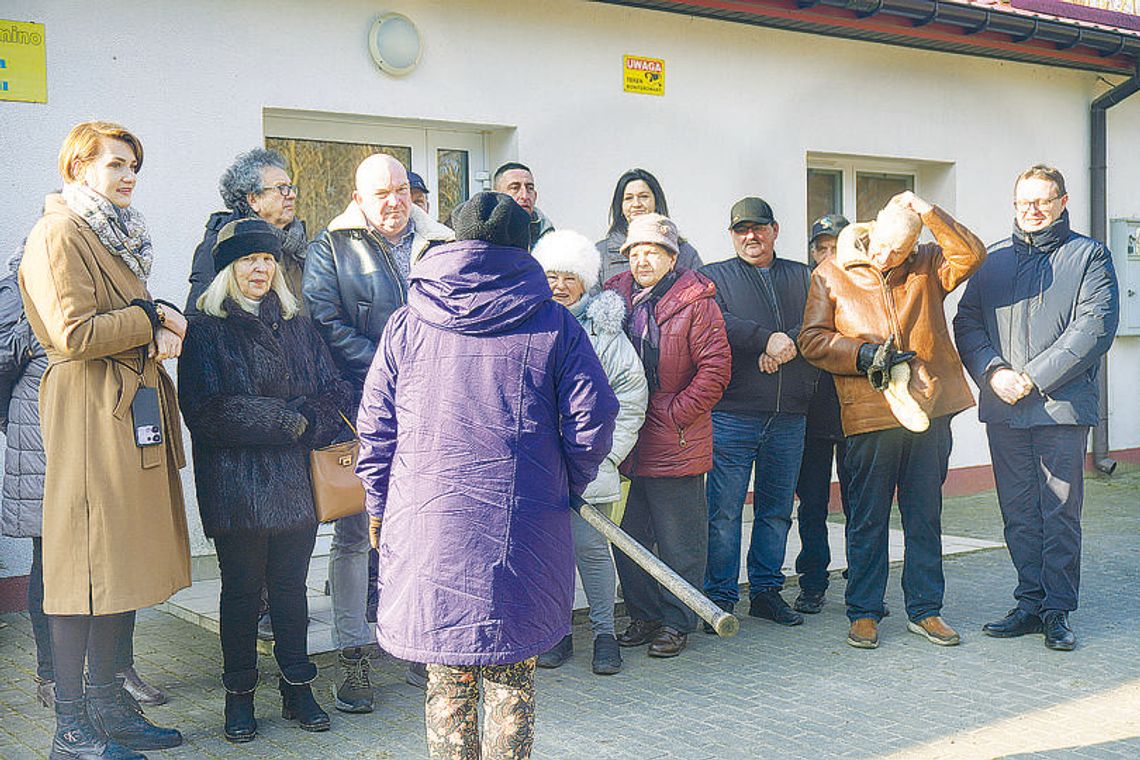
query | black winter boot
[77, 739]
[241, 726]
[115, 714]
[297, 703]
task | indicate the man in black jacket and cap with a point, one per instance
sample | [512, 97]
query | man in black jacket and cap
[1031, 328]
[761, 418]
[823, 442]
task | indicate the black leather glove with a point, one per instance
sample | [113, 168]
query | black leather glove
[876, 360]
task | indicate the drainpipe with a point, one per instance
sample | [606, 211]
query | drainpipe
[1099, 229]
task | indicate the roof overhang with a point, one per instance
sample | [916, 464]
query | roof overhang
[952, 27]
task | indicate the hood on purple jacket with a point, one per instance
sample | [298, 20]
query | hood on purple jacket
[484, 409]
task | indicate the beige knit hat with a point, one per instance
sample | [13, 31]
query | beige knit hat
[651, 228]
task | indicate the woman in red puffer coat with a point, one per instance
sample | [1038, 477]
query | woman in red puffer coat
[678, 332]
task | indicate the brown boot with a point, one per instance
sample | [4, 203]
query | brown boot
[935, 630]
[864, 634]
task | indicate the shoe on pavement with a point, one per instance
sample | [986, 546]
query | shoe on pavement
[668, 642]
[1058, 634]
[864, 634]
[354, 693]
[416, 675]
[607, 655]
[1017, 622]
[771, 606]
[45, 692]
[935, 630]
[809, 602]
[639, 632]
[557, 654]
[143, 692]
[726, 606]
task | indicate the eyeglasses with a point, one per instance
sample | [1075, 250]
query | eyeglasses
[285, 190]
[1040, 205]
[755, 229]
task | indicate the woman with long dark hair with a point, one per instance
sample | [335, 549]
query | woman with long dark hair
[637, 192]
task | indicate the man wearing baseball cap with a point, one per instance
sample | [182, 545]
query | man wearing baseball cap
[823, 440]
[420, 191]
[760, 420]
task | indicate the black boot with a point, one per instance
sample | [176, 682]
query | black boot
[113, 713]
[297, 703]
[77, 739]
[241, 726]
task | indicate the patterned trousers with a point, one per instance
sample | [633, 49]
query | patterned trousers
[452, 711]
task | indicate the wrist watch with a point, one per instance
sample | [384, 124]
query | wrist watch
[161, 312]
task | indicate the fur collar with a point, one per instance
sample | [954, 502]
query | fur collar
[352, 218]
[851, 248]
[606, 313]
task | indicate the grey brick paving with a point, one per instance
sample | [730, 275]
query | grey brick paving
[770, 693]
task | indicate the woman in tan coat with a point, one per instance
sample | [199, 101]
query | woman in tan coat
[114, 527]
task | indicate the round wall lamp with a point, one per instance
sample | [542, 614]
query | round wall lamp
[395, 44]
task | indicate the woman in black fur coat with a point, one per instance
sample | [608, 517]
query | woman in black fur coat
[259, 391]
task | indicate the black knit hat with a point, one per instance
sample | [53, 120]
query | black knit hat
[495, 218]
[242, 237]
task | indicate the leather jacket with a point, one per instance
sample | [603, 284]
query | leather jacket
[352, 286]
[851, 302]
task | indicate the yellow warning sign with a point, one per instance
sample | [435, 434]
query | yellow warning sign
[644, 75]
[23, 62]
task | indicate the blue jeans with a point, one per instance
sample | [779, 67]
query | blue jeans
[348, 582]
[814, 490]
[915, 464]
[774, 443]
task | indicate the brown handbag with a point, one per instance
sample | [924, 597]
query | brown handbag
[337, 492]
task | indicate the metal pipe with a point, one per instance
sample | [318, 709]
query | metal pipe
[1098, 227]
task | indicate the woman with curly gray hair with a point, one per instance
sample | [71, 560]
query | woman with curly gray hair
[255, 185]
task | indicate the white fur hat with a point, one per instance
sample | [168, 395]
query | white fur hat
[569, 251]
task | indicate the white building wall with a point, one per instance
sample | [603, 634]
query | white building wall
[743, 107]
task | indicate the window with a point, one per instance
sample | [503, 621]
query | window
[874, 189]
[859, 186]
[825, 193]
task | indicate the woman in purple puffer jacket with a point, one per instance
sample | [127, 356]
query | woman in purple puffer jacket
[485, 409]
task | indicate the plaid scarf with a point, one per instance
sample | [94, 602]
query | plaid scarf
[644, 332]
[122, 230]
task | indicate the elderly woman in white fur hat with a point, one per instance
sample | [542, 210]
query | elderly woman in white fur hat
[572, 265]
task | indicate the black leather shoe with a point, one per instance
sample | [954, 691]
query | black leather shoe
[1017, 622]
[114, 714]
[668, 642]
[297, 703]
[240, 726]
[639, 632]
[607, 655]
[558, 654]
[726, 606]
[771, 606]
[1058, 634]
[809, 602]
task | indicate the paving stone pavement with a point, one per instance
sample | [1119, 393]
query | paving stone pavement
[771, 692]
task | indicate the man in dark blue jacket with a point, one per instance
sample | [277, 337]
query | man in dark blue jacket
[761, 418]
[823, 442]
[1031, 328]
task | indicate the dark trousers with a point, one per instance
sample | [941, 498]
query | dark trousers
[915, 465]
[667, 515]
[814, 491]
[1040, 486]
[278, 562]
[41, 629]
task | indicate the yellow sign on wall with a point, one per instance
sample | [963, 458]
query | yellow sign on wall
[23, 62]
[643, 75]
